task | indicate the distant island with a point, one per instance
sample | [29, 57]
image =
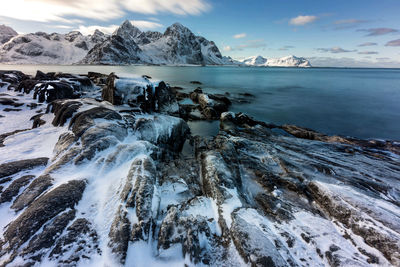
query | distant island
[178, 45]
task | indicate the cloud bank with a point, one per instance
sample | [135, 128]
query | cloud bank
[62, 10]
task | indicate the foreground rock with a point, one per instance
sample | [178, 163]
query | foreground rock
[117, 188]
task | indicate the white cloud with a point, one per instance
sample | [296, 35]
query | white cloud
[227, 48]
[180, 7]
[146, 25]
[86, 30]
[141, 24]
[239, 35]
[60, 10]
[302, 20]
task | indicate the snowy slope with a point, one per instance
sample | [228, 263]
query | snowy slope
[289, 61]
[6, 33]
[43, 48]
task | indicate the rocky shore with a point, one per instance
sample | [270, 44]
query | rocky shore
[102, 170]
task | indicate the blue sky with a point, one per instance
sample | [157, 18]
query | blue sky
[330, 33]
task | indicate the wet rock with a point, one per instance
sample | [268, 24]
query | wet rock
[13, 189]
[41, 210]
[10, 168]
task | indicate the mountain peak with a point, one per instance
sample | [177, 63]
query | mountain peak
[127, 29]
[177, 29]
[6, 33]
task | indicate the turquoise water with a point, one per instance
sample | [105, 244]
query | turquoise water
[363, 103]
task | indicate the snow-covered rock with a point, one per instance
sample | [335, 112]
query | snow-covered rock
[289, 61]
[43, 48]
[6, 33]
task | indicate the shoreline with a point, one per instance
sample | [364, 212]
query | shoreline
[109, 162]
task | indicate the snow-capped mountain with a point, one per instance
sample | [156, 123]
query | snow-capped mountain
[6, 33]
[289, 61]
[43, 48]
[255, 61]
[177, 45]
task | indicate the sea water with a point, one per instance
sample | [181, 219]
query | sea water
[363, 103]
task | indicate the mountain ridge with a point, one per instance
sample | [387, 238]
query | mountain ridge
[177, 45]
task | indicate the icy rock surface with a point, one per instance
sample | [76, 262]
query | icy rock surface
[106, 185]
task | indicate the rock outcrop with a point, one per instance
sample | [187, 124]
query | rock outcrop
[127, 181]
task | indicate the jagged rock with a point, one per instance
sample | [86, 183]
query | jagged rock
[256, 243]
[63, 110]
[141, 196]
[37, 121]
[84, 120]
[35, 189]
[49, 91]
[120, 234]
[13, 189]
[48, 236]
[10, 168]
[41, 210]
[80, 235]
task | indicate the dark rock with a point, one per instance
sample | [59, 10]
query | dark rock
[48, 236]
[13, 189]
[120, 235]
[37, 121]
[35, 189]
[84, 120]
[63, 110]
[26, 86]
[63, 197]
[43, 76]
[10, 168]
[80, 235]
[11, 109]
[52, 90]
[195, 82]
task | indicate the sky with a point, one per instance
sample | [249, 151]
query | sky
[350, 33]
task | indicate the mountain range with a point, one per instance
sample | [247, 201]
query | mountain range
[178, 45]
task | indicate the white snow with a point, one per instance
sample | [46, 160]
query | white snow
[288, 61]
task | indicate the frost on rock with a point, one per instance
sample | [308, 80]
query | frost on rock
[107, 185]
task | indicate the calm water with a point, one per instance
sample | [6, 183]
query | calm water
[363, 103]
